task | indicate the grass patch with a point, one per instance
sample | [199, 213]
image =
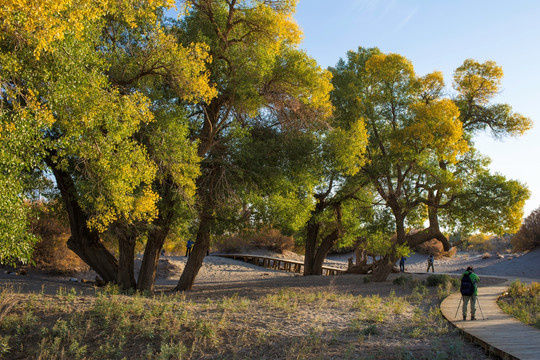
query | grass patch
[523, 303]
[281, 323]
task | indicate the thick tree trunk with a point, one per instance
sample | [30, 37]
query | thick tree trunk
[84, 242]
[150, 262]
[156, 239]
[314, 257]
[195, 260]
[312, 232]
[383, 268]
[126, 247]
[322, 251]
[432, 232]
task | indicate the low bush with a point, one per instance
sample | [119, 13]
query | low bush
[432, 246]
[439, 279]
[523, 303]
[51, 227]
[402, 280]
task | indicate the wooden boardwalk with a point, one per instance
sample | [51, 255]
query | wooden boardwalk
[497, 332]
[279, 264]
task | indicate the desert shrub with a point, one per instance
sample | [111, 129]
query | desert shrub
[271, 239]
[50, 226]
[402, 280]
[438, 279]
[450, 253]
[523, 302]
[432, 246]
[528, 236]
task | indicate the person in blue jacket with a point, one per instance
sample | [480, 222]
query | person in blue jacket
[189, 246]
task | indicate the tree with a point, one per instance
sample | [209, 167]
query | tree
[421, 158]
[528, 236]
[339, 158]
[262, 80]
[89, 129]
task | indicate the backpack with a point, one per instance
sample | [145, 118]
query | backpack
[467, 286]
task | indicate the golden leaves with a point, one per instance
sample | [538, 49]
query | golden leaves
[478, 82]
[437, 127]
[43, 22]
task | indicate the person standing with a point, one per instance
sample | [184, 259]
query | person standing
[469, 291]
[189, 246]
[430, 261]
[402, 264]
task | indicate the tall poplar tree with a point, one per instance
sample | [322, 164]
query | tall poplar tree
[56, 81]
[421, 158]
[262, 79]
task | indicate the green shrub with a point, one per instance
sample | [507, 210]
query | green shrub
[438, 279]
[402, 280]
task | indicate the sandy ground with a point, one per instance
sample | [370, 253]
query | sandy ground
[239, 276]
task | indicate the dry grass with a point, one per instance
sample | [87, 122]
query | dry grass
[293, 318]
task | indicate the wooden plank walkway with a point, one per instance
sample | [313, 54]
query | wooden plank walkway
[497, 332]
[279, 264]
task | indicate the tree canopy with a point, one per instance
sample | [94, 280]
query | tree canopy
[217, 121]
[421, 156]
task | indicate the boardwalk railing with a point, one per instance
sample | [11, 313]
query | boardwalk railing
[279, 264]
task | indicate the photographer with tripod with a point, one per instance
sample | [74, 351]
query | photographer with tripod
[469, 291]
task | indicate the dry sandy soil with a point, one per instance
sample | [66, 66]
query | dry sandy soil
[220, 276]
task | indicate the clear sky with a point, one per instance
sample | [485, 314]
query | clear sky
[440, 35]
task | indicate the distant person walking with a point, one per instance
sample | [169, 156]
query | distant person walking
[189, 246]
[402, 264]
[469, 291]
[430, 261]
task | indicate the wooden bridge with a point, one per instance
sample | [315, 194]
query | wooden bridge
[497, 332]
[279, 264]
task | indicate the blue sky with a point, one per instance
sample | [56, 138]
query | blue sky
[440, 35]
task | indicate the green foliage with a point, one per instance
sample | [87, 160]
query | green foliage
[65, 101]
[438, 279]
[403, 280]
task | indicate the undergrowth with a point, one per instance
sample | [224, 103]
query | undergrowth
[285, 324]
[523, 303]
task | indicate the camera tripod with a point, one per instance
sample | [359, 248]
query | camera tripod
[476, 299]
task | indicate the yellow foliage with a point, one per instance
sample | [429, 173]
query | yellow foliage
[437, 127]
[431, 86]
[389, 68]
[480, 81]
[43, 22]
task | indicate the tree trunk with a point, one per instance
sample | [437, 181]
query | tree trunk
[154, 244]
[126, 247]
[312, 232]
[314, 257]
[432, 232]
[150, 262]
[383, 268]
[322, 251]
[195, 260]
[83, 241]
